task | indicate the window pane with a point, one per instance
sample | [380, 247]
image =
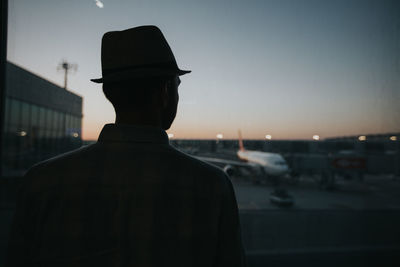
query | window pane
[63, 124]
[7, 115]
[34, 115]
[25, 116]
[42, 118]
[58, 124]
[49, 119]
[15, 113]
[67, 125]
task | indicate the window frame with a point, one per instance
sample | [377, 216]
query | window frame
[3, 58]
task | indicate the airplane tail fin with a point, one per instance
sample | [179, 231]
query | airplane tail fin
[241, 147]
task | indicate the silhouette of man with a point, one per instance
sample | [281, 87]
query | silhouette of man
[130, 199]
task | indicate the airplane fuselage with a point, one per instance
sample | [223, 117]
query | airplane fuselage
[272, 164]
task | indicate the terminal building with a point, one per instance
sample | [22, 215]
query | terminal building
[41, 120]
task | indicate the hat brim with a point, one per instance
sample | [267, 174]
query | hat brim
[139, 73]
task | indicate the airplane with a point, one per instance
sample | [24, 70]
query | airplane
[263, 164]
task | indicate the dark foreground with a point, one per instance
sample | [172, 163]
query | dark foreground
[356, 224]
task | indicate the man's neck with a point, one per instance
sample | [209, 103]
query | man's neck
[138, 118]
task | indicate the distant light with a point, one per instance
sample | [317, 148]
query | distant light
[393, 138]
[362, 138]
[170, 135]
[220, 136]
[268, 137]
[315, 137]
[22, 133]
[75, 135]
[99, 3]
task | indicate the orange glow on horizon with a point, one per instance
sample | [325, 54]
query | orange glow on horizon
[92, 130]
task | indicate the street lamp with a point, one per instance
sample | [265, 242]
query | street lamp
[268, 137]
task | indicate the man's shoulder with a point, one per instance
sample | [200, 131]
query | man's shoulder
[45, 173]
[64, 158]
[201, 168]
[82, 162]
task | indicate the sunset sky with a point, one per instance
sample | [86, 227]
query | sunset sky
[290, 69]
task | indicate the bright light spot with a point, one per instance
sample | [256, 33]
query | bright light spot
[393, 138]
[220, 136]
[75, 135]
[99, 3]
[362, 138]
[268, 137]
[22, 133]
[170, 135]
[315, 137]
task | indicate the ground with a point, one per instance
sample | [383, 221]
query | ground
[376, 192]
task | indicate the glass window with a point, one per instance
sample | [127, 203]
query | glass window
[313, 86]
[49, 119]
[34, 115]
[15, 112]
[58, 123]
[76, 124]
[41, 132]
[55, 120]
[25, 115]
[67, 125]
[7, 115]
[62, 124]
[71, 125]
[42, 117]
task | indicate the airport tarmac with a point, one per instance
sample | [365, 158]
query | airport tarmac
[374, 193]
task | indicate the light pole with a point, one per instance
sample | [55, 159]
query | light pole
[66, 67]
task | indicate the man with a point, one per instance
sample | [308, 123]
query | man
[130, 199]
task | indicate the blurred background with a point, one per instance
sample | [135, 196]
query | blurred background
[313, 87]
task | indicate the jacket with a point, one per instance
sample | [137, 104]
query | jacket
[130, 199]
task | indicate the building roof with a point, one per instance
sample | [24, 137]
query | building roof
[28, 87]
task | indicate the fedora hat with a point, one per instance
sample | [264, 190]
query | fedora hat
[137, 52]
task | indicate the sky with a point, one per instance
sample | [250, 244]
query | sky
[290, 69]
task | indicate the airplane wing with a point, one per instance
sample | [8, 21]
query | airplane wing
[232, 167]
[226, 162]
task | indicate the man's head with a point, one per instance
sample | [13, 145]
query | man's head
[154, 99]
[140, 75]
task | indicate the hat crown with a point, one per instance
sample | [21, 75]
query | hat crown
[137, 52]
[136, 47]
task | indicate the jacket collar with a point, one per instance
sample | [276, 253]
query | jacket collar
[133, 133]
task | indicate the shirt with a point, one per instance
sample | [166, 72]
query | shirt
[130, 199]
